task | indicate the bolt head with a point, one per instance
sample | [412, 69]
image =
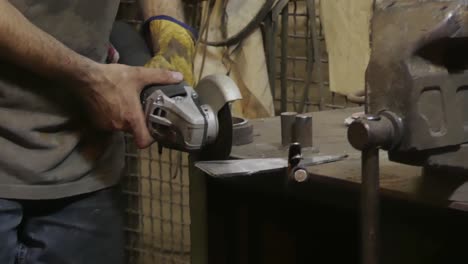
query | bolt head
[301, 175]
[159, 99]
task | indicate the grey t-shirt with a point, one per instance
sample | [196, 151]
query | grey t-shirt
[48, 147]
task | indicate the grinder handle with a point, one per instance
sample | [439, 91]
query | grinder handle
[170, 90]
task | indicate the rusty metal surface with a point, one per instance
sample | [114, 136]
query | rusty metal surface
[418, 71]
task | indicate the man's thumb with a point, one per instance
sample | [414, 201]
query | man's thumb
[160, 76]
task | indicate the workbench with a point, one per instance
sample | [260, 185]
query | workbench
[263, 218]
[397, 180]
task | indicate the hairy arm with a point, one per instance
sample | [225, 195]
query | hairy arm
[173, 8]
[112, 91]
[35, 50]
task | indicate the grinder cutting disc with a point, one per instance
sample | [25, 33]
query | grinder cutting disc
[220, 149]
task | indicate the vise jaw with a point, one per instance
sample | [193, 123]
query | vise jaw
[418, 72]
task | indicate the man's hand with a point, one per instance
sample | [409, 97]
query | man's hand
[113, 94]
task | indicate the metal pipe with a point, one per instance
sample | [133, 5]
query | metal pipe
[370, 205]
[284, 56]
[317, 50]
[369, 133]
[270, 44]
[309, 63]
[303, 130]
[288, 120]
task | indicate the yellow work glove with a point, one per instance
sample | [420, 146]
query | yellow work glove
[173, 45]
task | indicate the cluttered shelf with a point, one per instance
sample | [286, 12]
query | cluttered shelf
[431, 187]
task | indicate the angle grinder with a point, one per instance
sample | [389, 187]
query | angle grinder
[196, 120]
[192, 120]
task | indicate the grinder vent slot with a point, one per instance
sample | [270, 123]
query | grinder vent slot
[159, 112]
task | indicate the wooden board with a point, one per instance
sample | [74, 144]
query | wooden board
[397, 180]
[346, 25]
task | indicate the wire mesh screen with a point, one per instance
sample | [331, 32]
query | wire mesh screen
[155, 191]
[298, 61]
[157, 206]
[156, 187]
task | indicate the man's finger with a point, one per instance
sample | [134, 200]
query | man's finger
[159, 76]
[139, 129]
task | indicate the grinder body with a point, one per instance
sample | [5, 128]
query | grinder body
[176, 119]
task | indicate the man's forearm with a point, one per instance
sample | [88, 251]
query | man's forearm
[111, 92]
[173, 8]
[33, 49]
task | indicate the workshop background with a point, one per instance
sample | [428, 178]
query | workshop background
[315, 58]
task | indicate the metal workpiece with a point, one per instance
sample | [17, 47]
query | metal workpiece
[376, 131]
[287, 128]
[303, 130]
[242, 131]
[296, 128]
[295, 165]
[421, 74]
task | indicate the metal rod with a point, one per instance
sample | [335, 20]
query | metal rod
[284, 61]
[303, 130]
[295, 79]
[310, 58]
[288, 120]
[273, 56]
[293, 62]
[370, 205]
[270, 44]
